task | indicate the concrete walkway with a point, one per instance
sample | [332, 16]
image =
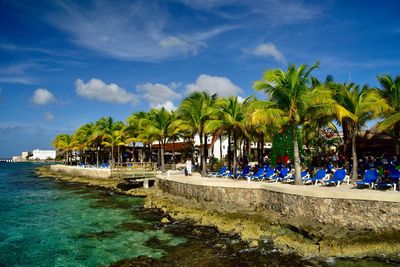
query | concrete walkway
[344, 191]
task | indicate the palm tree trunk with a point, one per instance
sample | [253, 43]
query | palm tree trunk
[258, 151]
[396, 139]
[345, 146]
[97, 157]
[205, 148]
[173, 150]
[248, 152]
[202, 156]
[229, 151]
[133, 153]
[150, 151]
[354, 154]
[119, 157]
[220, 148]
[261, 159]
[234, 151]
[112, 154]
[162, 157]
[296, 155]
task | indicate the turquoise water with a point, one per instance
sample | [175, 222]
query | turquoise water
[46, 223]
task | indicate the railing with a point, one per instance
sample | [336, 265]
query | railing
[133, 170]
[170, 166]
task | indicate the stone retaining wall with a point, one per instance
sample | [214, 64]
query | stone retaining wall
[362, 215]
[82, 172]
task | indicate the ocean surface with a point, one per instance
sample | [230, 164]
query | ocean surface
[44, 222]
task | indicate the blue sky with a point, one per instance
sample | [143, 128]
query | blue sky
[66, 63]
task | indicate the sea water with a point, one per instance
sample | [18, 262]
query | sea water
[45, 222]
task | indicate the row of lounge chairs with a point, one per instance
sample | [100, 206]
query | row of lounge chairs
[101, 166]
[370, 177]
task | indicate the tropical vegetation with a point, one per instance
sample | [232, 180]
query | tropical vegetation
[296, 103]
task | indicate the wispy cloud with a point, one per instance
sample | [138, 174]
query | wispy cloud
[17, 73]
[274, 12]
[139, 30]
[48, 116]
[19, 48]
[288, 12]
[340, 63]
[21, 80]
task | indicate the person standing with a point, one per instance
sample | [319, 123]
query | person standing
[189, 166]
[285, 159]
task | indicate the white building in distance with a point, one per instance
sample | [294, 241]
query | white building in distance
[43, 154]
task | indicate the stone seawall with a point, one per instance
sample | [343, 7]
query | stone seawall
[348, 213]
[311, 220]
[81, 172]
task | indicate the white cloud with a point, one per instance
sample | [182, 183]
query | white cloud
[168, 105]
[157, 93]
[42, 96]
[214, 84]
[269, 50]
[49, 116]
[96, 89]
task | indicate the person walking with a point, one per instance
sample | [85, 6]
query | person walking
[188, 167]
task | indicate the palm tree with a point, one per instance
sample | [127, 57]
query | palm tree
[134, 127]
[105, 129]
[114, 138]
[293, 100]
[194, 113]
[83, 138]
[232, 119]
[64, 143]
[364, 105]
[160, 125]
[391, 91]
[266, 120]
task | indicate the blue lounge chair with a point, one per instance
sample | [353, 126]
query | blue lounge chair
[104, 165]
[290, 178]
[370, 178]
[243, 173]
[338, 177]
[305, 175]
[268, 174]
[227, 174]
[283, 174]
[257, 176]
[394, 177]
[319, 176]
[218, 173]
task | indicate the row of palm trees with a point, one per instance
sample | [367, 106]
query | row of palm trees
[295, 100]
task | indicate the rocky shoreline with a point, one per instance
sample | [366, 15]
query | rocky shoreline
[288, 234]
[304, 238]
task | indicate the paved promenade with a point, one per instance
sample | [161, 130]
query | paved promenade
[344, 191]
